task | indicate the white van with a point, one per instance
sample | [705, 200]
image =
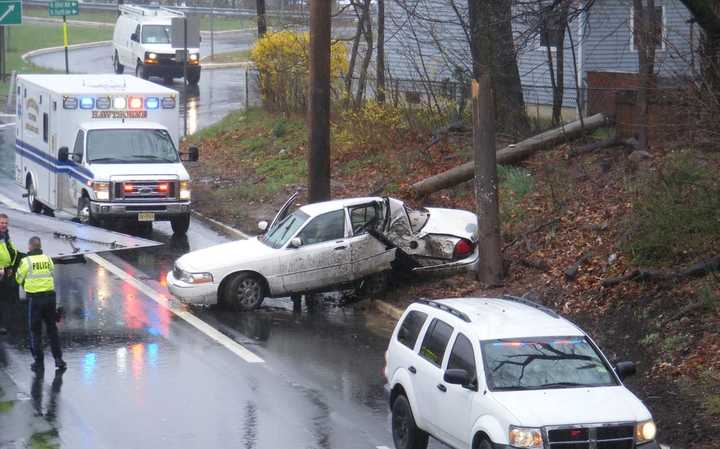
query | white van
[102, 147]
[142, 43]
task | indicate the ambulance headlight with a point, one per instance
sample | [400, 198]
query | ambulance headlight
[101, 190]
[152, 56]
[194, 56]
[185, 190]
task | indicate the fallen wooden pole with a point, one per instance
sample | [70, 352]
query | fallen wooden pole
[510, 154]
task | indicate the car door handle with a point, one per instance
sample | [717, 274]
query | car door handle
[442, 388]
[412, 369]
[339, 248]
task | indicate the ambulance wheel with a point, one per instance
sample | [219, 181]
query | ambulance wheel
[119, 68]
[193, 78]
[140, 71]
[33, 204]
[180, 224]
[84, 215]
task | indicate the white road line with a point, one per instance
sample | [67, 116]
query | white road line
[382, 447]
[163, 301]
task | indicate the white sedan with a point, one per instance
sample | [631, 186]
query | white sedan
[324, 246]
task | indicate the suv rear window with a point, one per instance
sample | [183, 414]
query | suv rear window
[410, 328]
[435, 341]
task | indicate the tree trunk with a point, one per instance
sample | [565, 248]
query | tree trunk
[319, 107]
[353, 58]
[380, 55]
[645, 39]
[510, 154]
[261, 18]
[367, 32]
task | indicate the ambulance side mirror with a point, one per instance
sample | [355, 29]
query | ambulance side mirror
[133, 37]
[63, 154]
[192, 154]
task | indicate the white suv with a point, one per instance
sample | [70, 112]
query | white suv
[484, 373]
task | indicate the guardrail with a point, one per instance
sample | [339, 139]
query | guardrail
[205, 10]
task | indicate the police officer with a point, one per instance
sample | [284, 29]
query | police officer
[8, 262]
[35, 274]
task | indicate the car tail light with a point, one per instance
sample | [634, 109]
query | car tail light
[463, 248]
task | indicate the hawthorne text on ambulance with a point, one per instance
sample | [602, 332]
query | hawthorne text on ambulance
[104, 148]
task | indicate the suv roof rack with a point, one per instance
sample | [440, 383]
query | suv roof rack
[532, 304]
[159, 11]
[451, 310]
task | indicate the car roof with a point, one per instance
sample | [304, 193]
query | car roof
[315, 209]
[493, 318]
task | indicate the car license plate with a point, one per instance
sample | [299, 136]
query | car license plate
[146, 216]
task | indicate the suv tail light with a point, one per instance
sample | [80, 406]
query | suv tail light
[463, 248]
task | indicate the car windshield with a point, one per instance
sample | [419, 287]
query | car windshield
[130, 146]
[156, 34]
[285, 229]
[542, 363]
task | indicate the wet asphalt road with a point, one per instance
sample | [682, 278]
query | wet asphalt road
[219, 92]
[139, 377]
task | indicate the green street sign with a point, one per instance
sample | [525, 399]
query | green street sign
[10, 12]
[64, 8]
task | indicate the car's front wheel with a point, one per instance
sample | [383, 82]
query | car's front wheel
[245, 291]
[406, 434]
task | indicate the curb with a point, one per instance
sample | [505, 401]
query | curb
[44, 51]
[387, 308]
[226, 228]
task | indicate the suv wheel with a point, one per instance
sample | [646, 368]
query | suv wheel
[406, 435]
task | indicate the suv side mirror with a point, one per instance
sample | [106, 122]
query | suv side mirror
[134, 37]
[459, 377]
[263, 225]
[63, 154]
[625, 369]
[296, 242]
[191, 155]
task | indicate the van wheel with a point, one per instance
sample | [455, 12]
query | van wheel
[140, 71]
[84, 215]
[193, 78]
[119, 68]
[245, 291]
[406, 435]
[33, 204]
[484, 444]
[180, 224]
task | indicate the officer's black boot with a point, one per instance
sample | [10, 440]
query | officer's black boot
[60, 365]
[38, 367]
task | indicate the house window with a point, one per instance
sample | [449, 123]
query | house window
[659, 31]
[552, 28]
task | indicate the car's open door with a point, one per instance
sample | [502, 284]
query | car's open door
[282, 213]
[66, 240]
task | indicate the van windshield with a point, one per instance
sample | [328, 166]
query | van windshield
[130, 146]
[543, 363]
[156, 34]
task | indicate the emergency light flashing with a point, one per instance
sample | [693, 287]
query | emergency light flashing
[132, 103]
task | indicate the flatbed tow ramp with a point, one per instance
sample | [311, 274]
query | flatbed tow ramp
[65, 240]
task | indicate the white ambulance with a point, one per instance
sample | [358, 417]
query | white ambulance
[103, 148]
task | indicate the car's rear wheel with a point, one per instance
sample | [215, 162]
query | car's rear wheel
[406, 434]
[245, 291]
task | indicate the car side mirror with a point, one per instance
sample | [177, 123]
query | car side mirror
[459, 377]
[296, 242]
[133, 37]
[625, 369]
[263, 225]
[191, 155]
[63, 154]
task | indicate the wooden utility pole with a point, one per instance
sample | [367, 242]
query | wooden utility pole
[380, 64]
[319, 106]
[261, 18]
[490, 270]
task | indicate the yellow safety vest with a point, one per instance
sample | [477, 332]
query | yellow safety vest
[5, 259]
[35, 274]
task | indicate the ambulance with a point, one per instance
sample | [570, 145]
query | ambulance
[103, 148]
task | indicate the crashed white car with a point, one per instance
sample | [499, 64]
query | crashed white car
[326, 246]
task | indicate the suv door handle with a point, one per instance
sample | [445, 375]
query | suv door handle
[412, 369]
[442, 388]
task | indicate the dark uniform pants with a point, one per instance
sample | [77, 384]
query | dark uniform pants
[41, 309]
[9, 291]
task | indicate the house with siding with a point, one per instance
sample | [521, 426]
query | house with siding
[427, 47]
